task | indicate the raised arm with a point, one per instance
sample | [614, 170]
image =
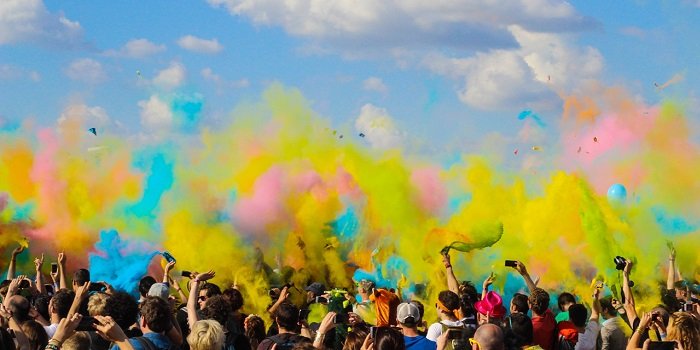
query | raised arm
[192, 316]
[13, 262]
[627, 292]
[81, 293]
[671, 277]
[485, 286]
[452, 283]
[637, 335]
[284, 294]
[62, 271]
[176, 284]
[522, 270]
[38, 262]
[596, 308]
[166, 272]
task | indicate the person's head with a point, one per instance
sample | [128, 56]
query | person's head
[408, 315]
[538, 301]
[488, 337]
[61, 302]
[78, 341]
[303, 346]
[684, 328]
[314, 290]
[681, 288]
[578, 315]
[97, 304]
[19, 308]
[217, 308]
[207, 291]
[468, 296]
[123, 309]
[156, 316]
[521, 326]
[145, 285]
[41, 304]
[389, 339]
[447, 303]
[565, 300]
[607, 309]
[36, 335]
[519, 303]
[234, 297]
[355, 339]
[421, 308]
[365, 287]
[80, 277]
[206, 335]
[287, 316]
[160, 290]
[254, 327]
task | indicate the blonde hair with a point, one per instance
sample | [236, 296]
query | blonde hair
[206, 335]
[78, 341]
[97, 303]
[684, 328]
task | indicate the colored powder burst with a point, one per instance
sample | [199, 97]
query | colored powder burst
[119, 262]
[274, 197]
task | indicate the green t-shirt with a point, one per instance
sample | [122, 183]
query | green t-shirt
[562, 316]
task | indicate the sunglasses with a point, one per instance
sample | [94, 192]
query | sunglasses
[202, 298]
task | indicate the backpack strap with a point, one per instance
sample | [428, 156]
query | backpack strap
[146, 343]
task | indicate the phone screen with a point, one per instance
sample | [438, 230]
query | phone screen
[54, 267]
[373, 332]
[168, 257]
[341, 319]
[304, 314]
[510, 263]
[186, 274]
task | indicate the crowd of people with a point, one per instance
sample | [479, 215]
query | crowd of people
[93, 315]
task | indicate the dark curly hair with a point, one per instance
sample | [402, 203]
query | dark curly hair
[156, 314]
[217, 308]
[234, 297]
[254, 330]
[539, 300]
[123, 309]
[449, 299]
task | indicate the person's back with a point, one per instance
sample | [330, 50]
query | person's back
[613, 332]
[408, 317]
[543, 323]
[287, 319]
[156, 320]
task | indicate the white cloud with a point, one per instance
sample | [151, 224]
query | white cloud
[155, 113]
[378, 127]
[86, 70]
[519, 51]
[137, 48]
[30, 21]
[221, 83]
[527, 76]
[11, 72]
[390, 24]
[375, 84]
[195, 44]
[80, 114]
[171, 77]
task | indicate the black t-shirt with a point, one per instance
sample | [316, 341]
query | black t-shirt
[281, 339]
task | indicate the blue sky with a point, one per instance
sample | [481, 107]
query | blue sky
[445, 73]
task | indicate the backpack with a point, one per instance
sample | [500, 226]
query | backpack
[564, 344]
[459, 342]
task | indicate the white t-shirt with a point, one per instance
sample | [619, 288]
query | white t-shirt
[435, 329]
[51, 330]
[587, 339]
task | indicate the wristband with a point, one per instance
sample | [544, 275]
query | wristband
[448, 266]
[320, 336]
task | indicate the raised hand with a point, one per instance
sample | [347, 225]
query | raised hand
[205, 276]
[82, 291]
[489, 281]
[17, 251]
[38, 262]
[628, 266]
[66, 328]
[62, 258]
[169, 266]
[109, 329]
[520, 267]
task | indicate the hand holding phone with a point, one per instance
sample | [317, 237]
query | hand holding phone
[168, 257]
[54, 268]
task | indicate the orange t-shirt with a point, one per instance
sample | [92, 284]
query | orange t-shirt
[386, 304]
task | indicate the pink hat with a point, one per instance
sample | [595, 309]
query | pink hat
[492, 305]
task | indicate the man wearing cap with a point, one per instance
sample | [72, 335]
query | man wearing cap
[314, 290]
[160, 290]
[408, 317]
